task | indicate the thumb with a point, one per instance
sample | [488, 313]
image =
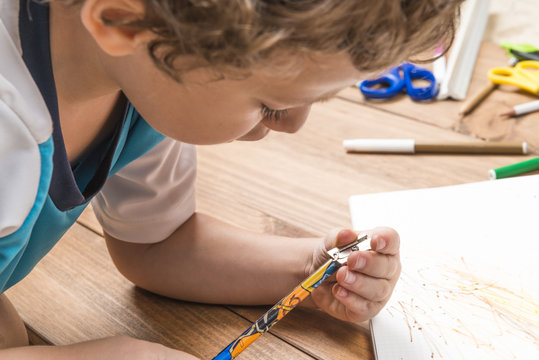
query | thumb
[340, 238]
[335, 238]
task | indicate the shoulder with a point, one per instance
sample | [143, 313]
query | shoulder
[25, 132]
[152, 196]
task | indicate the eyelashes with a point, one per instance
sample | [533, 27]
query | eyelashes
[271, 114]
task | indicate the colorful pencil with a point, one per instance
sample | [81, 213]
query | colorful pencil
[290, 301]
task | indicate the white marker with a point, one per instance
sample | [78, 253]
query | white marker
[410, 146]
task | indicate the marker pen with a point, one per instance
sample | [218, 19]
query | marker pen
[514, 169]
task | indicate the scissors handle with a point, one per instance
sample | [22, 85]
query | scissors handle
[411, 73]
[531, 67]
[524, 75]
[384, 87]
[394, 83]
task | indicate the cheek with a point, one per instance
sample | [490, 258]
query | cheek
[197, 114]
[204, 125]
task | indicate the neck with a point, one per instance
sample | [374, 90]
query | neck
[87, 94]
[77, 61]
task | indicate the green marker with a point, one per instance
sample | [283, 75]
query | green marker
[514, 169]
[527, 48]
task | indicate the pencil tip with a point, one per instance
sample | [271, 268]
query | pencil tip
[508, 114]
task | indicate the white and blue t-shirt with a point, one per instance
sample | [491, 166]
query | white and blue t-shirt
[141, 183]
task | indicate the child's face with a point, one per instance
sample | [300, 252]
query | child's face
[205, 111]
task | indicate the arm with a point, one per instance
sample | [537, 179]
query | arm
[206, 260]
[202, 259]
[156, 239]
[120, 347]
[14, 341]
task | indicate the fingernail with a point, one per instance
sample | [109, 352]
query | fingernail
[342, 292]
[360, 262]
[350, 277]
[381, 244]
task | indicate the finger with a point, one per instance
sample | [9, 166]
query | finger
[375, 264]
[372, 289]
[356, 308]
[384, 240]
[326, 298]
[339, 238]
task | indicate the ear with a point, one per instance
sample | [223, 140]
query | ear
[107, 21]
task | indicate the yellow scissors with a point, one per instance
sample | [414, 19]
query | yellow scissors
[524, 75]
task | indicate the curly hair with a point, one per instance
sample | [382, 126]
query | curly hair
[236, 35]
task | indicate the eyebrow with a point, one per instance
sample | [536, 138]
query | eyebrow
[322, 98]
[327, 96]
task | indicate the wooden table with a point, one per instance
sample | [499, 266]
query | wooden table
[295, 185]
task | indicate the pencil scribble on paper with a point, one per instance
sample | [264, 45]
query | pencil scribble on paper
[449, 302]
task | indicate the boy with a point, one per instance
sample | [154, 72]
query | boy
[106, 102]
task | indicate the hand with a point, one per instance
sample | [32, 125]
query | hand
[361, 288]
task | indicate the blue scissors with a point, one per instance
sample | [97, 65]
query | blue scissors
[397, 79]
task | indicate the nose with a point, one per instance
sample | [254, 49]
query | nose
[291, 122]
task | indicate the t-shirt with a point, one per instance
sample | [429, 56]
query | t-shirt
[141, 183]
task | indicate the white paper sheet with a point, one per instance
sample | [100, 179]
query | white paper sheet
[469, 287]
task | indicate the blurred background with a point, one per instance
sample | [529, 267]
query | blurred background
[513, 20]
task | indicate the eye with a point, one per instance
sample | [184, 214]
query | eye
[272, 114]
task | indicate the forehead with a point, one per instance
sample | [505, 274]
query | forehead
[306, 79]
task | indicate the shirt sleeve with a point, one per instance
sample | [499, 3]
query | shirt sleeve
[151, 197]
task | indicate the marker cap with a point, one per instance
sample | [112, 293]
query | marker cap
[406, 146]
